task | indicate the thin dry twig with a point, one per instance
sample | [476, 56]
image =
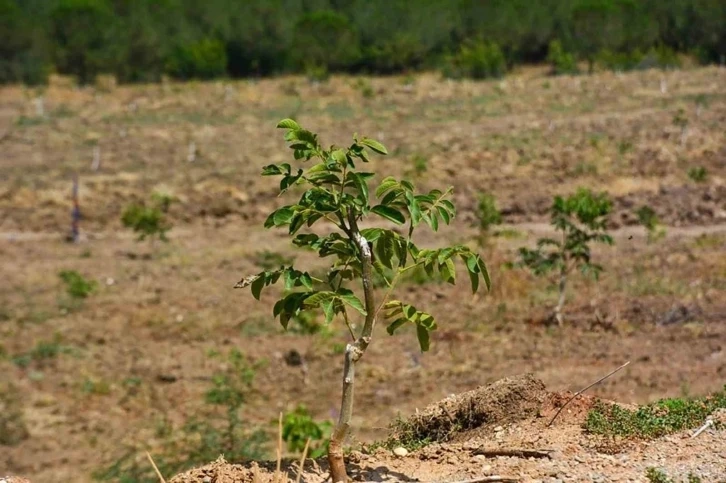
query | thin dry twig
[279, 444]
[585, 389]
[482, 479]
[302, 461]
[515, 453]
[156, 469]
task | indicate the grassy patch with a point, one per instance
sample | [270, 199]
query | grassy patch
[653, 420]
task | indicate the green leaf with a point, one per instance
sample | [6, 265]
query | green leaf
[353, 301]
[282, 216]
[389, 213]
[452, 271]
[288, 124]
[396, 324]
[423, 337]
[257, 286]
[361, 185]
[328, 310]
[474, 277]
[427, 320]
[374, 145]
[387, 183]
[485, 273]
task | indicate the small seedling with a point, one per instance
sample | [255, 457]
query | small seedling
[149, 221]
[656, 475]
[76, 285]
[487, 212]
[698, 174]
[680, 120]
[580, 219]
[298, 426]
[339, 194]
[648, 218]
[420, 164]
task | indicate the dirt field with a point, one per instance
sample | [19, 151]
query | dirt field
[91, 380]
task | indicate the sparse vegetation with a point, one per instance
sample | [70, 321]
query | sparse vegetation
[698, 174]
[220, 430]
[76, 285]
[149, 221]
[649, 219]
[653, 420]
[581, 220]
[339, 194]
[298, 427]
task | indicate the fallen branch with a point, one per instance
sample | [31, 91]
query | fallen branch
[482, 479]
[585, 389]
[156, 469]
[515, 453]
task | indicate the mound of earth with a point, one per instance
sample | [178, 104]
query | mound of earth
[501, 432]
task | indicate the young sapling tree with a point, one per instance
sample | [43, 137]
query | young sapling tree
[338, 194]
[580, 219]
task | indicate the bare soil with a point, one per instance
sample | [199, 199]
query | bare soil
[132, 362]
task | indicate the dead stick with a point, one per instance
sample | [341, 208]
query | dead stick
[158, 473]
[585, 389]
[302, 461]
[516, 453]
[279, 444]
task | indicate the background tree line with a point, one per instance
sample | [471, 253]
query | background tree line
[141, 40]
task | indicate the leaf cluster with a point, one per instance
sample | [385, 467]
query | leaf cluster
[339, 194]
[581, 220]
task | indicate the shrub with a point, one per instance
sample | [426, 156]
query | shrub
[149, 221]
[325, 39]
[298, 426]
[648, 218]
[205, 59]
[560, 61]
[339, 194]
[476, 60]
[699, 174]
[76, 285]
[580, 219]
[487, 212]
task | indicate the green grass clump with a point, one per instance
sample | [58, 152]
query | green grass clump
[653, 420]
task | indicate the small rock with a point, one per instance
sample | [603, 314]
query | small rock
[498, 428]
[207, 479]
[400, 451]
[110, 281]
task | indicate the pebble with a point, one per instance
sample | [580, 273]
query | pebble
[400, 451]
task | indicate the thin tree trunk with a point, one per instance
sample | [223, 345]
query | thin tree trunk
[353, 353]
[561, 301]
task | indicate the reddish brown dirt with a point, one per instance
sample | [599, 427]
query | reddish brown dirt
[516, 445]
[134, 360]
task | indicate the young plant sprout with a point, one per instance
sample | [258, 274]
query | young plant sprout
[338, 194]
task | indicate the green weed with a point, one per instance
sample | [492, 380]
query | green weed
[653, 420]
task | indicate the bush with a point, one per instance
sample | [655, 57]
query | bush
[560, 61]
[476, 60]
[76, 285]
[298, 426]
[581, 218]
[487, 212]
[149, 221]
[206, 59]
[325, 39]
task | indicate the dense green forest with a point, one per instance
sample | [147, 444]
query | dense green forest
[142, 40]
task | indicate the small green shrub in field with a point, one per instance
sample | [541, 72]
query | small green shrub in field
[77, 286]
[648, 218]
[298, 426]
[653, 420]
[580, 220]
[337, 193]
[219, 429]
[699, 174]
[560, 61]
[476, 60]
[149, 221]
[656, 475]
[487, 212]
